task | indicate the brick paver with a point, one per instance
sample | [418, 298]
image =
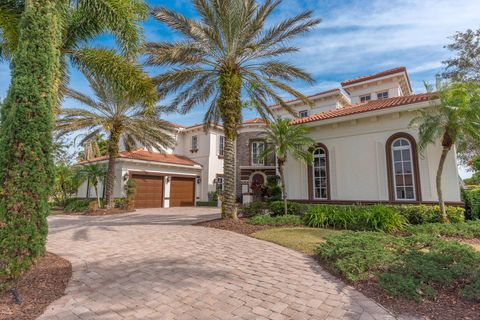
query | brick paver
[153, 265]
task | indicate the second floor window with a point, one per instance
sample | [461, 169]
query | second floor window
[382, 95]
[221, 145]
[257, 150]
[303, 114]
[365, 98]
[194, 143]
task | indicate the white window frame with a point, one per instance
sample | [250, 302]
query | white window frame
[324, 155]
[221, 145]
[364, 97]
[304, 112]
[220, 178]
[195, 142]
[255, 155]
[409, 147]
[380, 95]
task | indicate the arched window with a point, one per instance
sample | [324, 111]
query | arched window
[402, 158]
[320, 173]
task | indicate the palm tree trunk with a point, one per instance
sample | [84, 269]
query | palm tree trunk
[284, 189]
[113, 150]
[98, 197]
[230, 110]
[443, 214]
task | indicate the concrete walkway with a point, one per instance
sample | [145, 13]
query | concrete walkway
[153, 265]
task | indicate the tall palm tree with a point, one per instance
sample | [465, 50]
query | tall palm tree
[227, 53]
[94, 173]
[283, 139]
[452, 120]
[115, 114]
[82, 21]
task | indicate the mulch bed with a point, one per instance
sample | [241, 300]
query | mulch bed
[37, 288]
[447, 305]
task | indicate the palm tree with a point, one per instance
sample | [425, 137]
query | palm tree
[452, 120]
[94, 173]
[115, 114]
[227, 53]
[283, 139]
[82, 21]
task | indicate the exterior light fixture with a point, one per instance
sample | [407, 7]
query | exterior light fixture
[199, 180]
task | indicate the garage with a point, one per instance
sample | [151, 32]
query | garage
[149, 191]
[182, 192]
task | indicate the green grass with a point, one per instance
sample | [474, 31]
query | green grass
[300, 239]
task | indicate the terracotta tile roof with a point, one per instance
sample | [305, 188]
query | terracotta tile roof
[141, 154]
[365, 107]
[254, 120]
[373, 76]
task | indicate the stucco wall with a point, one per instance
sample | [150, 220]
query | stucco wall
[358, 161]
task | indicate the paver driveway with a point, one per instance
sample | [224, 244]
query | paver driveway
[153, 265]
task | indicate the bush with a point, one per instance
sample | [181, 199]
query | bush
[295, 208]
[377, 217]
[285, 220]
[471, 197]
[413, 267]
[254, 208]
[419, 214]
[206, 203]
[467, 230]
[213, 195]
[77, 204]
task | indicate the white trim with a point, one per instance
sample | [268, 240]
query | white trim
[401, 148]
[326, 174]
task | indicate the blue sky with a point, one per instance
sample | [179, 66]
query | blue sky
[356, 37]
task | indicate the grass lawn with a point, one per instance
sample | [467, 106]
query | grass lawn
[301, 239]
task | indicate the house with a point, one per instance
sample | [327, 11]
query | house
[365, 152]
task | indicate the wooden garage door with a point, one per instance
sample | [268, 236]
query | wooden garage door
[182, 192]
[149, 191]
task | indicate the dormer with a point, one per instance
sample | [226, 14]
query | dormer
[383, 85]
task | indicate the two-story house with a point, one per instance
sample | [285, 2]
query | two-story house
[365, 152]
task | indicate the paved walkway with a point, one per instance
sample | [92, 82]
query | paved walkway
[153, 265]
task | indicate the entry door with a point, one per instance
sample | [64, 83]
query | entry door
[182, 192]
[149, 191]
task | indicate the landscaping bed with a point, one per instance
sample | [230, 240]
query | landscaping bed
[37, 288]
[240, 226]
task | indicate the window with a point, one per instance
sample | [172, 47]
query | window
[257, 149]
[402, 165]
[194, 143]
[303, 114]
[382, 95]
[319, 167]
[365, 98]
[221, 145]
[219, 183]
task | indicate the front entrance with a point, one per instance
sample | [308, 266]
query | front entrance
[149, 191]
[182, 192]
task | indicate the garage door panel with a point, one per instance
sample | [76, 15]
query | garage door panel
[149, 191]
[182, 192]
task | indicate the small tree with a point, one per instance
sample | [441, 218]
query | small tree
[284, 139]
[67, 182]
[453, 117]
[95, 173]
[466, 65]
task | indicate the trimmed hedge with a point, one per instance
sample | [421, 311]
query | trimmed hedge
[206, 203]
[77, 204]
[277, 208]
[285, 220]
[413, 267]
[471, 197]
[419, 214]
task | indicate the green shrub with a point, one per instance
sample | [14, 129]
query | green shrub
[254, 208]
[418, 214]
[471, 197]
[377, 217]
[77, 204]
[467, 230]
[213, 195]
[285, 220]
[277, 208]
[413, 267]
[206, 203]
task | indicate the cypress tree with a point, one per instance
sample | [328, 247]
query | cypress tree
[26, 165]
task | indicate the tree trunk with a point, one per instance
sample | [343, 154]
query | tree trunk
[26, 162]
[284, 189]
[113, 150]
[230, 110]
[98, 196]
[443, 214]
